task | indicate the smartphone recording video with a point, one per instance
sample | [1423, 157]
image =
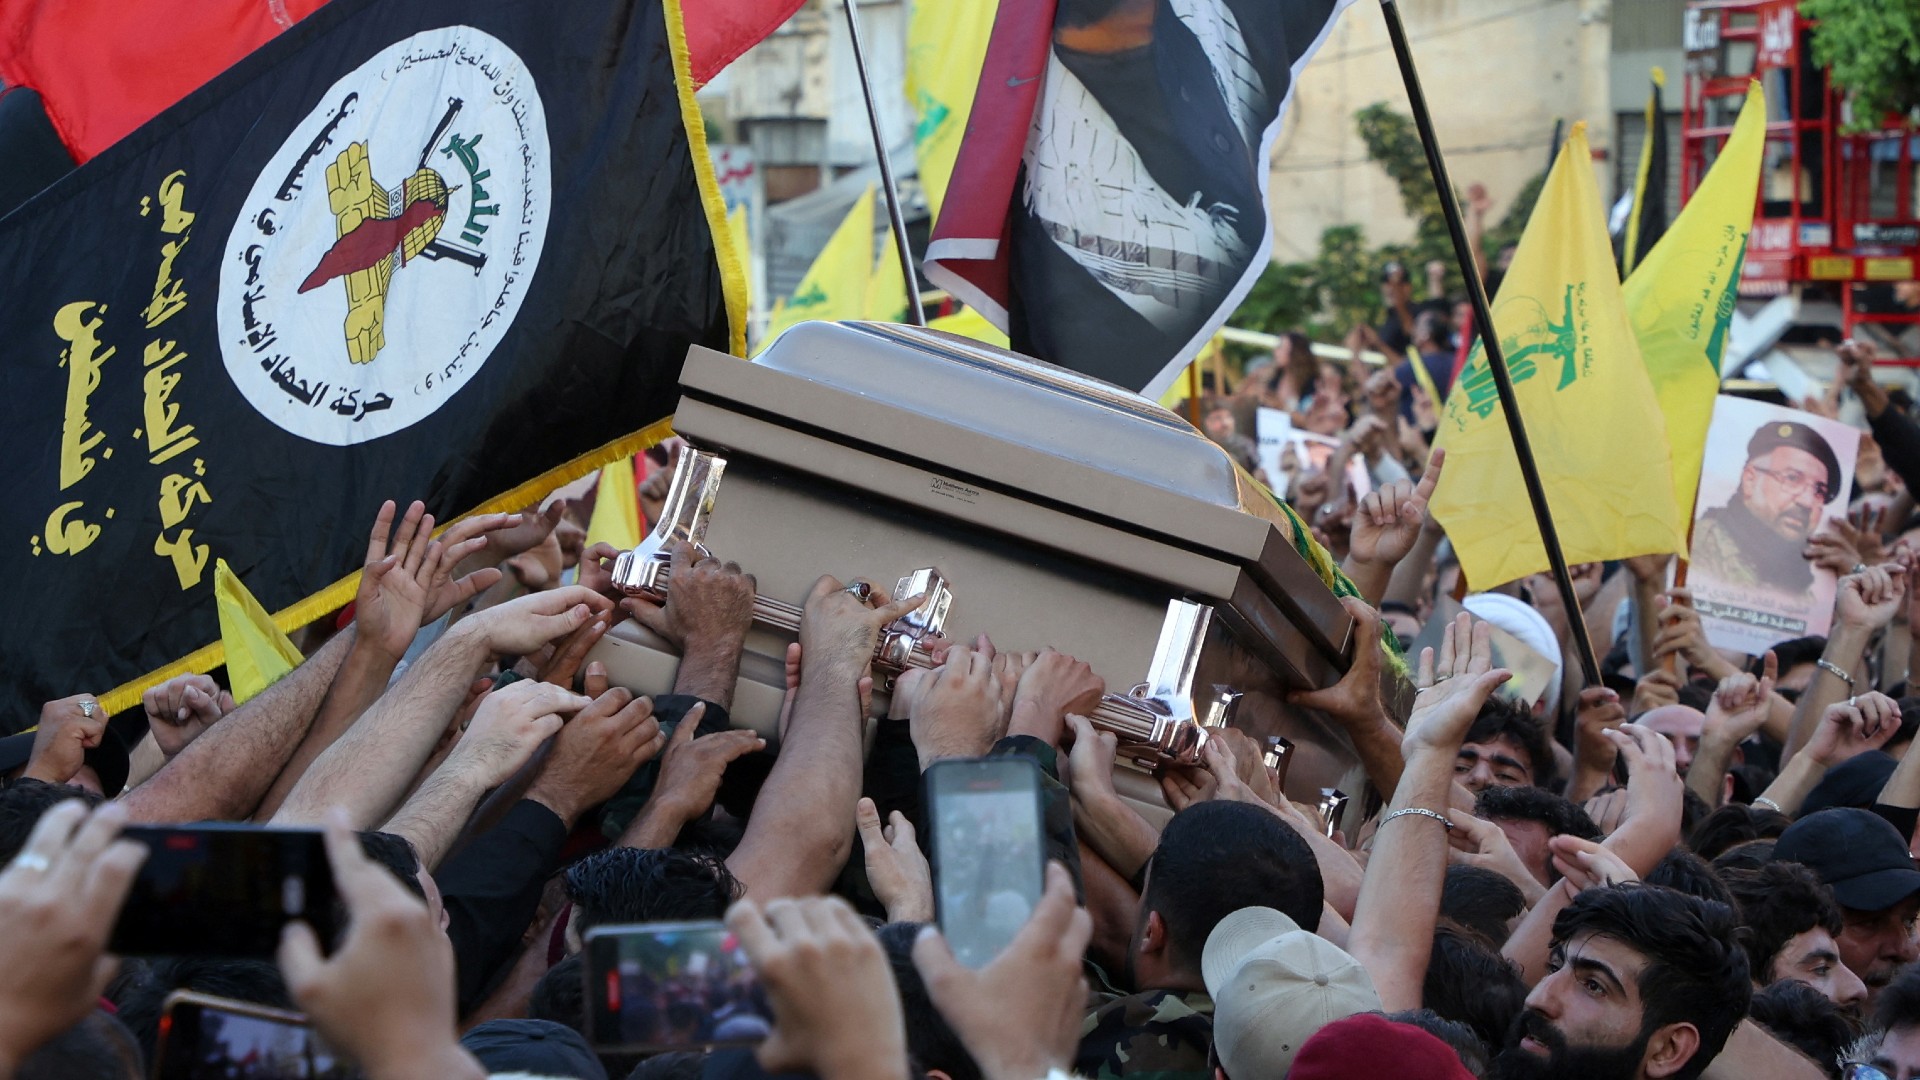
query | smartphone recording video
[671, 986]
[210, 1038]
[225, 890]
[989, 851]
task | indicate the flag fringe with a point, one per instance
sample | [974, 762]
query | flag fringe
[733, 274]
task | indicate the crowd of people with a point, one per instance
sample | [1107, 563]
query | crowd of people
[1699, 868]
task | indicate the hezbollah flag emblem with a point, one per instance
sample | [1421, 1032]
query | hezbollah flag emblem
[1590, 410]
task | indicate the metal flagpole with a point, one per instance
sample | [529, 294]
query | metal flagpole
[916, 314]
[1496, 362]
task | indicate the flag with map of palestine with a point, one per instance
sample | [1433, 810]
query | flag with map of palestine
[453, 250]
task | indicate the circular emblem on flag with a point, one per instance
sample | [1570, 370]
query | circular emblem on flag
[386, 247]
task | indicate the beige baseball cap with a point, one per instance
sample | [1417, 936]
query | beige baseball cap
[1273, 985]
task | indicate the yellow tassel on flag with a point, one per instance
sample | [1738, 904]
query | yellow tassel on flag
[616, 513]
[946, 46]
[835, 286]
[257, 652]
[1590, 410]
[1682, 296]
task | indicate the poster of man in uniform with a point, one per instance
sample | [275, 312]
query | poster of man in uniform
[1773, 476]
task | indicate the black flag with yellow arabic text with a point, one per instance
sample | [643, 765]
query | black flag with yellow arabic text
[437, 249]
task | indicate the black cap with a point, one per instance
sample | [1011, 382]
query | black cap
[1854, 782]
[1772, 436]
[109, 759]
[1856, 852]
[540, 1047]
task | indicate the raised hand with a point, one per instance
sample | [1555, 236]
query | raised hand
[709, 603]
[1355, 699]
[69, 727]
[694, 764]
[836, 1010]
[1740, 705]
[1599, 711]
[1490, 849]
[1656, 688]
[183, 707]
[396, 580]
[1445, 709]
[1020, 1016]
[1461, 653]
[1587, 865]
[510, 725]
[898, 871]
[1049, 688]
[1852, 727]
[1869, 599]
[525, 625]
[564, 657]
[1843, 544]
[1388, 520]
[1682, 634]
[596, 752]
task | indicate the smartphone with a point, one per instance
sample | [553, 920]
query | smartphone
[211, 1038]
[654, 987]
[989, 851]
[225, 890]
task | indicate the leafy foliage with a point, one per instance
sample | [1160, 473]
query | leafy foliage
[1873, 50]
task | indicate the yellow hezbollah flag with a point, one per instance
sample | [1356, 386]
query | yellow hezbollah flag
[1681, 297]
[257, 652]
[887, 288]
[970, 323]
[835, 286]
[946, 46]
[1590, 410]
[616, 515]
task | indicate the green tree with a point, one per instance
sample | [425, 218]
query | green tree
[1873, 50]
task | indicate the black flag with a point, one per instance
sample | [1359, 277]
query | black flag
[1647, 220]
[442, 249]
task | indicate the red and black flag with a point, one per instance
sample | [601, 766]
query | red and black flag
[442, 249]
[1117, 156]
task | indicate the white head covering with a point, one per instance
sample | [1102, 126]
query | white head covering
[1531, 627]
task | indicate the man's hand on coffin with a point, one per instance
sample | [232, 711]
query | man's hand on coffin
[596, 570]
[709, 603]
[509, 726]
[839, 631]
[1052, 686]
[690, 771]
[956, 712]
[1389, 519]
[1248, 762]
[1354, 701]
[896, 868]
[559, 662]
[1110, 827]
[836, 1009]
[597, 752]
[524, 625]
[1444, 711]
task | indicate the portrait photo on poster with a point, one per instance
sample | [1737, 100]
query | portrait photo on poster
[1772, 477]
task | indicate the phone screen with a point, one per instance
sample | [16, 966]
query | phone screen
[208, 1038]
[225, 890]
[989, 851]
[672, 986]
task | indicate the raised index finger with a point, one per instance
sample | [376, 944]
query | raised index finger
[1430, 479]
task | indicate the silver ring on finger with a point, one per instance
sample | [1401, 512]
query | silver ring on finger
[32, 861]
[860, 591]
[87, 707]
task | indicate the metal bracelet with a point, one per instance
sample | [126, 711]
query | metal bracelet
[1420, 811]
[1835, 670]
[1769, 804]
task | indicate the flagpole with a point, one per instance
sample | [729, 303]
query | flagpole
[916, 314]
[1496, 361]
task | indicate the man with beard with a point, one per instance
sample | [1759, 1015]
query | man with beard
[1758, 539]
[1643, 982]
[1865, 861]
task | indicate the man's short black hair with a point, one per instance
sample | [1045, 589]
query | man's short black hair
[1504, 718]
[1683, 870]
[1778, 902]
[1481, 900]
[1458, 1036]
[1751, 855]
[1696, 969]
[1560, 815]
[1469, 981]
[395, 852]
[140, 993]
[1735, 823]
[1217, 857]
[561, 994]
[622, 885]
[1898, 1005]
[97, 1048]
[1792, 653]
[1805, 1019]
[22, 801]
[931, 1044]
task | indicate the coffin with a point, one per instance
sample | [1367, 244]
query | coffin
[1056, 509]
